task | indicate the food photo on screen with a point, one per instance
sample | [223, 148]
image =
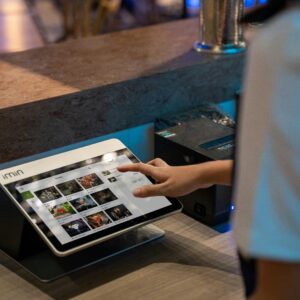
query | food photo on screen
[48, 194]
[75, 227]
[83, 203]
[98, 219]
[69, 187]
[118, 212]
[106, 173]
[89, 181]
[104, 196]
[61, 210]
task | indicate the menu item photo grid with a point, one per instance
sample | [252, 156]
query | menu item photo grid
[81, 204]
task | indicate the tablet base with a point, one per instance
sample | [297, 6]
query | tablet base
[47, 267]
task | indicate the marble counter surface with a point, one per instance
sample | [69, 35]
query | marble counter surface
[69, 92]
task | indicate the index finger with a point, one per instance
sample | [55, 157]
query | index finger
[138, 167]
[157, 162]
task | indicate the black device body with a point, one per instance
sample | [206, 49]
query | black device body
[196, 141]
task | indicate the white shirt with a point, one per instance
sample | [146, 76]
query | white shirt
[267, 192]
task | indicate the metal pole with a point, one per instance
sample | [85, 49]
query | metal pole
[220, 29]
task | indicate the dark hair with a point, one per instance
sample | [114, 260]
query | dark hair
[266, 11]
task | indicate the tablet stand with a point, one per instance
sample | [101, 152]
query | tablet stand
[20, 241]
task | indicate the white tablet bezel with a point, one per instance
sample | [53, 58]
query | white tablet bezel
[57, 161]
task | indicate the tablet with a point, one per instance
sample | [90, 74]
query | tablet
[77, 199]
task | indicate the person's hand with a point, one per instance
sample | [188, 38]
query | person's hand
[170, 181]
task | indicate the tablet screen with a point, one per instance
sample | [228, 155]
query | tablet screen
[85, 198]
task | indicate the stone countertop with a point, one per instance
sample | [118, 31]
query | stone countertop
[82, 89]
[93, 62]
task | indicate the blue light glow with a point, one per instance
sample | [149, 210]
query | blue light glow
[229, 107]
[248, 3]
[192, 3]
[232, 207]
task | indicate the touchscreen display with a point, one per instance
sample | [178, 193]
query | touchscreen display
[84, 198]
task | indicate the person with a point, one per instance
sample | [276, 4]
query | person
[267, 163]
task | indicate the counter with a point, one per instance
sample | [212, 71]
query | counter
[191, 262]
[81, 89]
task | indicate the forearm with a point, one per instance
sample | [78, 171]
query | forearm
[216, 172]
[180, 180]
